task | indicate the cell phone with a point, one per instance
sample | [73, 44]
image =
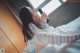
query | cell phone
[40, 10]
[41, 13]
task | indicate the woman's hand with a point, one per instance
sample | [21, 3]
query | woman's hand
[44, 18]
[40, 20]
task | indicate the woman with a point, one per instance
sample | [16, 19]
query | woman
[28, 16]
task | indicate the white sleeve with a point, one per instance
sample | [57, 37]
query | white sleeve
[39, 40]
[47, 28]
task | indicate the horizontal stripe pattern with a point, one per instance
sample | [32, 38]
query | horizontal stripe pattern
[59, 39]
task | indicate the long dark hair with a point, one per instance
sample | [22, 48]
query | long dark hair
[26, 18]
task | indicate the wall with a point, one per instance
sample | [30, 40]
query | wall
[65, 13]
[11, 37]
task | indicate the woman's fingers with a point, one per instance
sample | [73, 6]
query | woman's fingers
[44, 14]
[44, 18]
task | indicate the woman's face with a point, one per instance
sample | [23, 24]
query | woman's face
[35, 16]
